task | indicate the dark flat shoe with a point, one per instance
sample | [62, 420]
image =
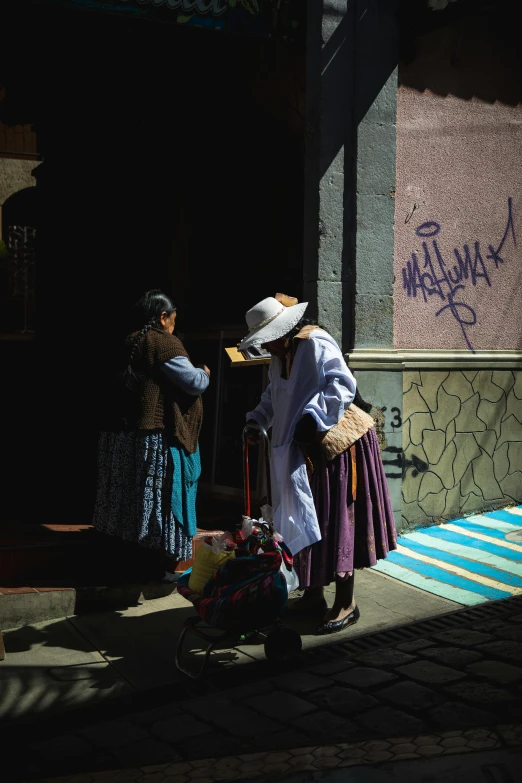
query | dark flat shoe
[333, 626]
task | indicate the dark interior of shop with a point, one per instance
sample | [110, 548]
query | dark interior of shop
[168, 157]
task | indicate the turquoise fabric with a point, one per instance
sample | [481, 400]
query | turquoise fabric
[187, 470]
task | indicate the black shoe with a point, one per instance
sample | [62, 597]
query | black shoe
[333, 626]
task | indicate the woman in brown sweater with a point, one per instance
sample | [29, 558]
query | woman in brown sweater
[149, 465]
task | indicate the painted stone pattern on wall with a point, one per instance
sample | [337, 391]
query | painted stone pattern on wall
[462, 442]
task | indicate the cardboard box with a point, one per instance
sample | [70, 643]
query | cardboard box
[197, 540]
[238, 360]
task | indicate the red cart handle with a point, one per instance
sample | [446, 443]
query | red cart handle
[246, 467]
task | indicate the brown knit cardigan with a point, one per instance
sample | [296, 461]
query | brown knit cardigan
[163, 406]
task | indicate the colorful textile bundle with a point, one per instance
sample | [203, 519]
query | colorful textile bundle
[249, 590]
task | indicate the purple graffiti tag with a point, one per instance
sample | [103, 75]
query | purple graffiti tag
[433, 277]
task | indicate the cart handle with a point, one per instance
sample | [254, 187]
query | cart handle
[252, 425]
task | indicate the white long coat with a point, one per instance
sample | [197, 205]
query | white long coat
[320, 384]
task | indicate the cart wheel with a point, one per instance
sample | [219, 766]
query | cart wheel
[283, 644]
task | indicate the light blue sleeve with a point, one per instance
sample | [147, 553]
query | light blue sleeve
[183, 374]
[336, 383]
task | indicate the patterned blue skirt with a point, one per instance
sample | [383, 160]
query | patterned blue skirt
[135, 493]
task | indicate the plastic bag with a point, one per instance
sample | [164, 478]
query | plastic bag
[223, 543]
[292, 580]
[246, 528]
[267, 514]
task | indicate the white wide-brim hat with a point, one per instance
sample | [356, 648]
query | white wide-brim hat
[269, 320]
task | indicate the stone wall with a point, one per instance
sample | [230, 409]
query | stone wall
[458, 269]
[462, 443]
[14, 176]
[458, 217]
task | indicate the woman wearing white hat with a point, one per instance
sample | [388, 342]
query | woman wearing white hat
[330, 497]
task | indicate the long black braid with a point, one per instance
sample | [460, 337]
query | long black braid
[148, 309]
[131, 378]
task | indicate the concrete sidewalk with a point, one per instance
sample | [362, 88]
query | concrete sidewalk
[436, 687]
[79, 661]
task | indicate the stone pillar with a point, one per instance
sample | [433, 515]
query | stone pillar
[375, 105]
[352, 53]
[350, 168]
[373, 241]
[329, 156]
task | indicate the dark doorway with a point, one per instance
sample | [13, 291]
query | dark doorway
[172, 158]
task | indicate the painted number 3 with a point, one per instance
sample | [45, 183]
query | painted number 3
[397, 421]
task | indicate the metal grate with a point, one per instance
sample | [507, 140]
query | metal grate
[388, 638]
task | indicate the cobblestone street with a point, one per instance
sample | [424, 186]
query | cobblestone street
[438, 687]
[253, 766]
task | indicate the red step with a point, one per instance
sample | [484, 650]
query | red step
[43, 556]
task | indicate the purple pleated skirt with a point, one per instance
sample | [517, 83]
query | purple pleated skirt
[357, 528]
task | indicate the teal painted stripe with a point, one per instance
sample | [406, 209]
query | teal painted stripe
[470, 565]
[505, 516]
[484, 546]
[456, 594]
[433, 572]
[468, 552]
[496, 524]
[466, 524]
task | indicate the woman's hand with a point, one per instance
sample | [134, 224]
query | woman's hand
[253, 435]
[203, 367]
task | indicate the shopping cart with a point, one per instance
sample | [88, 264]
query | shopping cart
[224, 619]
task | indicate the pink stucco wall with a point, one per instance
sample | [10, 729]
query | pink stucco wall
[459, 161]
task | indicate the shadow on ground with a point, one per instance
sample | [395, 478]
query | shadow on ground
[452, 672]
